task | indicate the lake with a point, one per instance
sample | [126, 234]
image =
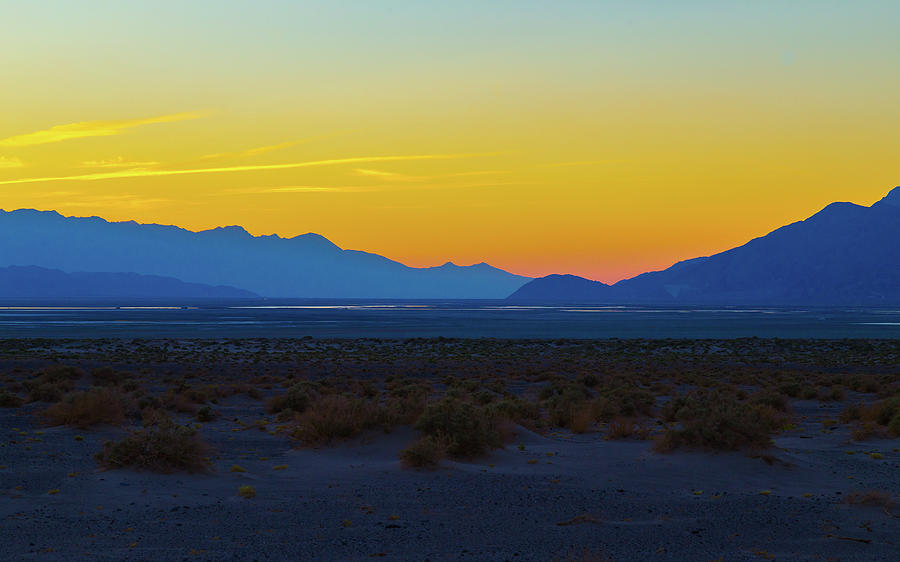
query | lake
[395, 319]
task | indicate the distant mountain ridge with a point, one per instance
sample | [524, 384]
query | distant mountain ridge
[306, 266]
[844, 254]
[21, 282]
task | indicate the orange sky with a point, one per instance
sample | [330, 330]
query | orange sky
[601, 139]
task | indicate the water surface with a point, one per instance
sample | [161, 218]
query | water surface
[403, 319]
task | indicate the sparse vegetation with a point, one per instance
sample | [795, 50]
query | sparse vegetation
[97, 406]
[166, 448]
[463, 397]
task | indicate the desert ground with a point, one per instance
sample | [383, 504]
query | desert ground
[446, 449]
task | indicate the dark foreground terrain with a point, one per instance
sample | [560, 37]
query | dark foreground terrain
[435, 449]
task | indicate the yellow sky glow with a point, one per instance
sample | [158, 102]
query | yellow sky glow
[602, 139]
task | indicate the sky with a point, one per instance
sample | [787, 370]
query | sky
[597, 138]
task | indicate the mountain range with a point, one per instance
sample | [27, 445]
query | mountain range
[32, 282]
[308, 266]
[844, 254]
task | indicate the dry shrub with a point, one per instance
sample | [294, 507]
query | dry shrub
[107, 376]
[585, 555]
[851, 413]
[154, 416]
[873, 498]
[335, 416]
[178, 402]
[163, 448]
[405, 404]
[52, 383]
[97, 406]
[865, 430]
[883, 411]
[425, 452]
[878, 419]
[582, 419]
[9, 400]
[626, 428]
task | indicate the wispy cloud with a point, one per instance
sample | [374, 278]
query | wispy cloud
[361, 188]
[251, 151]
[376, 173]
[85, 129]
[269, 148]
[47, 194]
[117, 162]
[141, 172]
[301, 189]
[10, 162]
[580, 163]
[394, 176]
[124, 201]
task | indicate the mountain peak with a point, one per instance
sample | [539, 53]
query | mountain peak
[315, 240]
[31, 212]
[231, 229]
[892, 198]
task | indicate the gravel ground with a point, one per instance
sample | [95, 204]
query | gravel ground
[543, 497]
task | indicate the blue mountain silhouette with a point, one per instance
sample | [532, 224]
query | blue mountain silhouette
[844, 254]
[308, 265]
[38, 282]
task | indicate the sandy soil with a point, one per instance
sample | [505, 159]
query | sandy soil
[542, 497]
[354, 501]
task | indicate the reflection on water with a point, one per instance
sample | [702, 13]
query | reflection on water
[392, 319]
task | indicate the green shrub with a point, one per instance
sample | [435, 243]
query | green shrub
[774, 400]
[589, 380]
[205, 414]
[792, 389]
[885, 410]
[163, 448]
[564, 403]
[515, 409]
[718, 421]
[833, 394]
[297, 399]
[469, 430]
[631, 401]
[893, 426]
[425, 452]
